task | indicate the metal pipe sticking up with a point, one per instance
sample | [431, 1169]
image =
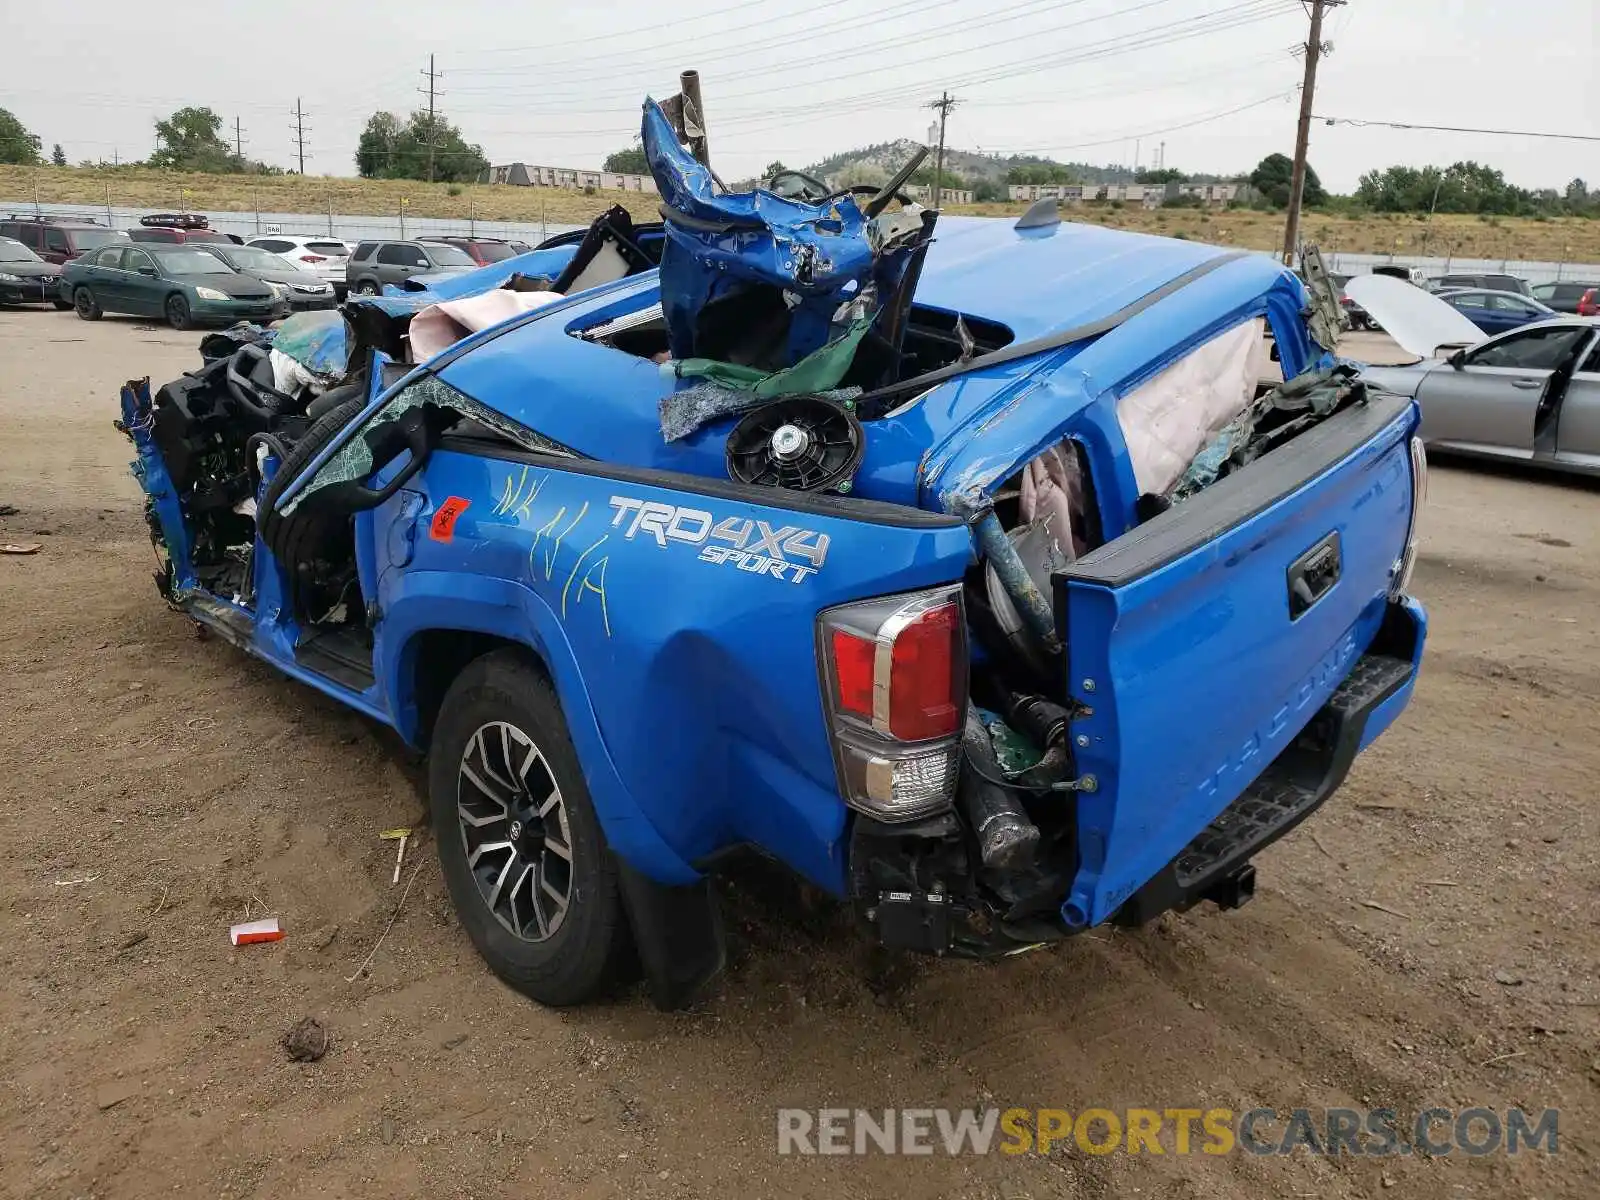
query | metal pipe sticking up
[977, 510]
[694, 116]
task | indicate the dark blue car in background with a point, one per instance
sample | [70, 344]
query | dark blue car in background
[1496, 311]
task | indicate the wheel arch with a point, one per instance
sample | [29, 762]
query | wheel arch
[436, 626]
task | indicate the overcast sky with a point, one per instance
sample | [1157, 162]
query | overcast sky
[560, 84]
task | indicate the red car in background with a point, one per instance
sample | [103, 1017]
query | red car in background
[483, 250]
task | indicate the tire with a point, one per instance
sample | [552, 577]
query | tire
[293, 538]
[369, 287]
[86, 306]
[562, 954]
[177, 312]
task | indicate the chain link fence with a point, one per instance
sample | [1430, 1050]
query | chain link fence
[350, 227]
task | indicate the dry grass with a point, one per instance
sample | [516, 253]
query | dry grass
[1568, 238]
[1571, 239]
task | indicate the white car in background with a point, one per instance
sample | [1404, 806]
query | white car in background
[324, 257]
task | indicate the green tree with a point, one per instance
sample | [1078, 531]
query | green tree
[947, 178]
[58, 156]
[987, 189]
[1164, 175]
[627, 162]
[1463, 187]
[375, 151]
[1274, 176]
[391, 149]
[17, 144]
[775, 167]
[191, 141]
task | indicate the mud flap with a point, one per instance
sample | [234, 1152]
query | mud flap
[678, 933]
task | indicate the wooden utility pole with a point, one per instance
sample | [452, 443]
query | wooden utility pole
[944, 104]
[238, 139]
[432, 92]
[1297, 186]
[300, 133]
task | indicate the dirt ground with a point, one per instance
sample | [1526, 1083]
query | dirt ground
[1428, 938]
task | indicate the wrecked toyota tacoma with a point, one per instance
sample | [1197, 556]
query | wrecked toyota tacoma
[985, 573]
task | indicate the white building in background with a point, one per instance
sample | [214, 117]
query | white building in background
[524, 175]
[1146, 195]
[948, 195]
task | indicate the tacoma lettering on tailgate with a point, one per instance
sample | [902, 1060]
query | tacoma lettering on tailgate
[1324, 677]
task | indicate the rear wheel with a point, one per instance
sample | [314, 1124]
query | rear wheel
[177, 310]
[527, 865]
[86, 306]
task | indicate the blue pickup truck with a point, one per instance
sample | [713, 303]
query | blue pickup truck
[980, 572]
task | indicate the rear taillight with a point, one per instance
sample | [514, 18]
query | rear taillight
[1589, 304]
[311, 258]
[1401, 579]
[895, 684]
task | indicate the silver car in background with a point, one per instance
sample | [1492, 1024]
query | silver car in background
[1529, 395]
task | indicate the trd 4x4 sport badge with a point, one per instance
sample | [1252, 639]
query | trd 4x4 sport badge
[787, 552]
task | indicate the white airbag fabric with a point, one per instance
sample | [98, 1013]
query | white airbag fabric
[1169, 419]
[446, 323]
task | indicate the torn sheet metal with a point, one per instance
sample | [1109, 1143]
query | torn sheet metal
[1325, 318]
[1279, 415]
[693, 407]
[723, 246]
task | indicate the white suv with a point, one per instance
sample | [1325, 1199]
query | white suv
[323, 256]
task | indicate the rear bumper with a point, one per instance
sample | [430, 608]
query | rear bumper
[28, 292]
[920, 888]
[228, 311]
[1300, 780]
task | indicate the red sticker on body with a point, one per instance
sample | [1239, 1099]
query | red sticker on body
[443, 527]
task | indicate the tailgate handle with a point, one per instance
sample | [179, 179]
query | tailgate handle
[1313, 574]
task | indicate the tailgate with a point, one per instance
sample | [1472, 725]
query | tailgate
[1206, 639]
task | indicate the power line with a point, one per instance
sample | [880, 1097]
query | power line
[1529, 133]
[1227, 17]
[1315, 49]
[432, 92]
[300, 133]
[944, 104]
[1111, 48]
[1135, 136]
[545, 47]
[584, 72]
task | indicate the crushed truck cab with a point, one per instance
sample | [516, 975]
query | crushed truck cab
[984, 573]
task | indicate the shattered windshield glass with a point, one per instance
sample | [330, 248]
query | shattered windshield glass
[353, 461]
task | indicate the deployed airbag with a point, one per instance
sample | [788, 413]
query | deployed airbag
[442, 325]
[1168, 419]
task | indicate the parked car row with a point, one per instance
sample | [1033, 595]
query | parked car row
[54, 241]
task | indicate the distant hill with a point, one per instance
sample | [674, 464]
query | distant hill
[974, 166]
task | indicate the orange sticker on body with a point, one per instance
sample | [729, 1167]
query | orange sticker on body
[443, 528]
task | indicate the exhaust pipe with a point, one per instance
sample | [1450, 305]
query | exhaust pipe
[1007, 839]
